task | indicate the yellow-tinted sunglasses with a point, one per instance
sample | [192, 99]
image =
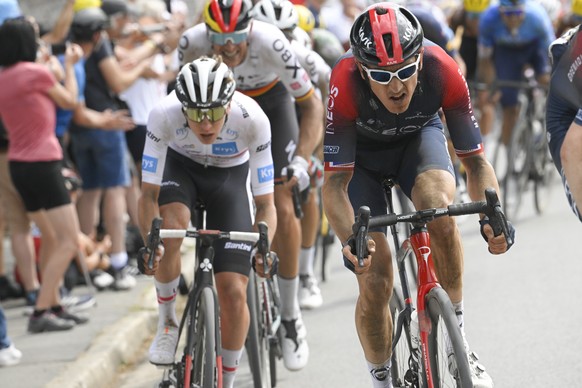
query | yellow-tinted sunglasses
[212, 114]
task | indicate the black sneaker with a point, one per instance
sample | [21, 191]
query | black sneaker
[48, 322]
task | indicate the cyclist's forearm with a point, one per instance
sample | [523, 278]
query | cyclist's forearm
[310, 127]
[336, 204]
[480, 175]
[266, 212]
[147, 208]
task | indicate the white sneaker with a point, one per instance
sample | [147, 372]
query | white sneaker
[10, 356]
[294, 346]
[309, 293]
[163, 348]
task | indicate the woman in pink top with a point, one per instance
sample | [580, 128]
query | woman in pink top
[28, 99]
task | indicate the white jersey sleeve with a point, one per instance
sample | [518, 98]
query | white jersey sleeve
[318, 70]
[193, 44]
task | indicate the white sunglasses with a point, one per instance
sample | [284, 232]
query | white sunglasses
[384, 77]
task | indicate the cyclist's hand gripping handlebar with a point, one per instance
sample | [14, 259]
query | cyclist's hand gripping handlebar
[296, 194]
[262, 247]
[495, 217]
[153, 242]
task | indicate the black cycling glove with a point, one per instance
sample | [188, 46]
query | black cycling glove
[351, 241]
[510, 229]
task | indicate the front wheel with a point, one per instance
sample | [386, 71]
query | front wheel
[205, 371]
[447, 356]
[404, 369]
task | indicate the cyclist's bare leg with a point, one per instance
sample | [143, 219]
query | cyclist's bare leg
[175, 215]
[372, 315]
[234, 320]
[436, 188]
[114, 212]
[310, 220]
[571, 158]
[309, 293]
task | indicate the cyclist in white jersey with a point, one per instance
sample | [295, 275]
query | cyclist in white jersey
[266, 68]
[284, 15]
[206, 144]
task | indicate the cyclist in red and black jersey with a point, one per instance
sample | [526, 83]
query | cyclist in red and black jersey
[382, 121]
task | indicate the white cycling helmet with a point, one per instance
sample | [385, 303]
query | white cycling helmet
[281, 13]
[205, 83]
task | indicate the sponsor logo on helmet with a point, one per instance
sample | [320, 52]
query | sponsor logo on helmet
[364, 39]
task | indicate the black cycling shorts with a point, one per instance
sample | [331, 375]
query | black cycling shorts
[402, 161]
[226, 196]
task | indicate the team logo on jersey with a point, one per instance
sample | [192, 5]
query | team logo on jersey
[230, 134]
[152, 137]
[182, 133]
[229, 148]
[238, 246]
[266, 174]
[149, 164]
[295, 85]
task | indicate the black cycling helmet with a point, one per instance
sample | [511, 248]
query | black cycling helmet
[385, 34]
[225, 16]
[86, 22]
[205, 83]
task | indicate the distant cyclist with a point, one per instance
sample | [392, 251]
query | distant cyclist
[564, 114]
[382, 121]
[513, 35]
[266, 68]
[206, 144]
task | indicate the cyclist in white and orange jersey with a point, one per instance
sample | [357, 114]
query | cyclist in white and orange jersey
[266, 68]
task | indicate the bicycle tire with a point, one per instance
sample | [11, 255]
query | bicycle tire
[257, 345]
[444, 323]
[401, 373]
[518, 163]
[205, 353]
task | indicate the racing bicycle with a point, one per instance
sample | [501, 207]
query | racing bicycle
[439, 358]
[201, 362]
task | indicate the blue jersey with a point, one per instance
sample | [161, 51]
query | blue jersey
[536, 29]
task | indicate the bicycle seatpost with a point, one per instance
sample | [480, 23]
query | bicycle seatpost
[154, 240]
[360, 230]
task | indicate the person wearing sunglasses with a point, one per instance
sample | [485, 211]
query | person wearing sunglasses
[267, 69]
[206, 143]
[383, 121]
[513, 35]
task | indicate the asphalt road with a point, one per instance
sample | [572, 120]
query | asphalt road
[522, 312]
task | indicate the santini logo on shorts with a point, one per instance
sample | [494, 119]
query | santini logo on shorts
[238, 245]
[266, 174]
[224, 149]
[149, 164]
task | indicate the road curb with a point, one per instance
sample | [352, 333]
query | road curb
[117, 345]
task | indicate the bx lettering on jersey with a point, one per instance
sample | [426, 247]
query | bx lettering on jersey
[266, 173]
[149, 164]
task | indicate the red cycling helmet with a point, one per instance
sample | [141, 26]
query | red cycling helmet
[226, 16]
[385, 34]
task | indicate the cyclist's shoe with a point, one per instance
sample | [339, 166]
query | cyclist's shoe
[295, 348]
[479, 376]
[48, 322]
[309, 292]
[124, 280]
[163, 347]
